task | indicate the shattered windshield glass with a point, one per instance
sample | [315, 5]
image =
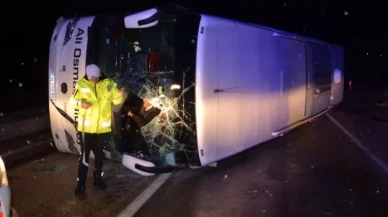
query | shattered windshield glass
[156, 66]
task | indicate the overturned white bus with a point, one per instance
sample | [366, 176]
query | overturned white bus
[222, 86]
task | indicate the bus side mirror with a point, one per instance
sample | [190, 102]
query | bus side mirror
[143, 19]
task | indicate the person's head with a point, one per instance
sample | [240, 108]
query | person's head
[93, 72]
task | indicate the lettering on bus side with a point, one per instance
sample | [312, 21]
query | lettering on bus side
[77, 53]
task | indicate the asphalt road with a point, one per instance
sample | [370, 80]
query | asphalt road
[314, 170]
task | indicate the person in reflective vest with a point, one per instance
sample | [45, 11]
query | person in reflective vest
[94, 98]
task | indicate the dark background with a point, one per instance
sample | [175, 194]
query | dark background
[358, 26]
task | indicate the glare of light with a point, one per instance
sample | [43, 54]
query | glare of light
[160, 89]
[3, 174]
[346, 13]
[22, 63]
[367, 54]
[381, 55]
[155, 100]
[175, 87]
[337, 76]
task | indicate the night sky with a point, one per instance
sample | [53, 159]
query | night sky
[27, 27]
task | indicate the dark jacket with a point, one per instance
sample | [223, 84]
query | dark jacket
[145, 116]
[132, 136]
[142, 117]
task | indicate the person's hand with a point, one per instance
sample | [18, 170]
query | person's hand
[85, 105]
[130, 113]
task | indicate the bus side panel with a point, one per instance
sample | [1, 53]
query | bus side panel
[292, 79]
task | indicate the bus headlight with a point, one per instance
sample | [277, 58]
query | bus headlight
[70, 29]
[175, 87]
[3, 174]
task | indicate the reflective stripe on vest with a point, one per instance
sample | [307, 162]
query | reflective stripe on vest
[87, 122]
[85, 90]
[105, 124]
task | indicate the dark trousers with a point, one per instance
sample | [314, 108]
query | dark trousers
[95, 143]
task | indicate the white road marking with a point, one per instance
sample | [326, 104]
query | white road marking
[132, 208]
[359, 144]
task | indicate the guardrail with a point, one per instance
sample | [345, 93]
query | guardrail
[23, 122]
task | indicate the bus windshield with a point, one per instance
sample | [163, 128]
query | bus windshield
[156, 64]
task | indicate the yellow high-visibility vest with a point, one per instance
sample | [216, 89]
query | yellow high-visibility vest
[101, 96]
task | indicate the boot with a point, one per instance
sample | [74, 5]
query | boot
[81, 179]
[80, 190]
[98, 183]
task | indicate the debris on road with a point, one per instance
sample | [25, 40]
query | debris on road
[213, 164]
